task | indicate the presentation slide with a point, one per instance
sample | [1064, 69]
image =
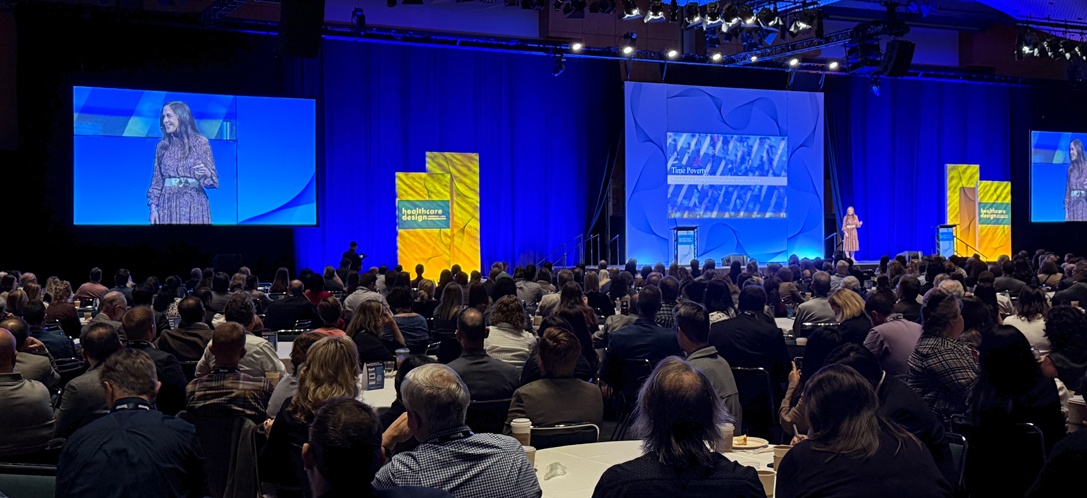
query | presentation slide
[1058, 177]
[726, 176]
[145, 157]
[723, 161]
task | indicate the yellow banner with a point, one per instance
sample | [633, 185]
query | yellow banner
[453, 178]
[994, 219]
[962, 202]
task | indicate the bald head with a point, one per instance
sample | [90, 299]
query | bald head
[296, 288]
[7, 351]
[114, 305]
[18, 328]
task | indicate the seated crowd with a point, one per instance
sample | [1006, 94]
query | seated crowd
[145, 388]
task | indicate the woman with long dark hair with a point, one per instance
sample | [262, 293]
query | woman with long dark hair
[184, 167]
[1075, 195]
[854, 450]
[734, 271]
[279, 284]
[792, 414]
[1010, 390]
[1029, 317]
[1049, 275]
[1066, 329]
[478, 298]
[718, 301]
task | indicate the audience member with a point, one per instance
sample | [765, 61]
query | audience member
[678, 417]
[1030, 311]
[528, 291]
[551, 302]
[122, 282]
[817, 309]
[909, 287]
[848, 310]
[315, 289]
[718, 301]
[24, 405]
[1010, 390]
[192, 335]
[261, 359]
[411, 362]
[332, 281]
[93, 289]
[748, 341]
[34, 361]
[226, 389]
[449, 455]
[793, 411]
[61, 311]
[1064, 465]
[487, 378]
[288, 386]
[367, 330]
[559, 397]
[412, 325]
[140, 325]
[220, 291]
[204, 295]
[693, 332]
[344, 438]
[841, 272]
[641, 340]
[83, 398]
[892, 338]
[330, 314]
[1066, 330]
[331, 370]
[58, 344]
[111, 309]
[1075, 292]
[854, 450]
[134, 450]
[1007, 282]
[942, 368]
[669, 289]
[284, 313]
[507, 339]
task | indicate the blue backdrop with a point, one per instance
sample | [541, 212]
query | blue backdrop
[542, 143]
[653, 110]
[887, 153]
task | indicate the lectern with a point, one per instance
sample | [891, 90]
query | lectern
[684, 244]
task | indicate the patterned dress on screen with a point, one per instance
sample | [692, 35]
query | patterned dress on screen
[175, 187]
[1075, 196]
[851, 244]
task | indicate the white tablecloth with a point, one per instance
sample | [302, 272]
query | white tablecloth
[585, 463]
[380, 399]
[785, 324]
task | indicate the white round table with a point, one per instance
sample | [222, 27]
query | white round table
[585, 463]
[379, 399]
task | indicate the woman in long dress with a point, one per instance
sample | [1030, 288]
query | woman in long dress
[849, 229]
[1075, 195]
[184, 167]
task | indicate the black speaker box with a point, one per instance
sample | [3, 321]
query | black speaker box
[300, 24]
[897, 57]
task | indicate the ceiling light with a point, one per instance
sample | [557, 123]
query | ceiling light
[716, 56]
[746, 15]
[691, 16]
[576, 46]
[629, 43]
[713, 15]
[833, 66]
[672, 54]
[630, 10]
[803, 22]
[575, 9]
[794, 62]
[730, 17]
[656, 12]
[754, 58]
[628, 50]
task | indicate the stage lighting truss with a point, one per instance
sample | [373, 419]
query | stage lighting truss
[602, 7]
[655, 12]
[575, 9]
[631, 11]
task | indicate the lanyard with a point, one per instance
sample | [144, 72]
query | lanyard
[451, 437]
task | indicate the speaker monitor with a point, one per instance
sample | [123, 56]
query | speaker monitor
[897, 58]
[300, 23]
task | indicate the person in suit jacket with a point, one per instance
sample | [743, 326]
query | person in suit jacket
[1078, 290]
[296, 306]
[192, 335]
[558, 398]
[24, 405]
[748, 341]
[83, 398]
[1007, 282]
[110, 311]
[643, 339]
[34, 361]
[139, 322]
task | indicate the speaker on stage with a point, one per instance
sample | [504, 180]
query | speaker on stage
[300, 24]
[897, 57]
[911, 255]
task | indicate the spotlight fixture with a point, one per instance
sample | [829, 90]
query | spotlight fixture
[576, 46]
[672, 54]
[754, 58]
[691, 15]
[358, 20]
[630, 10]
[770, 25]
[557, 5]
[833, 65]
[629, 44]
[575, 9]
[746, 15]
[794, 62]
[803, 22]
[1050, 46]
[713, 15]
[716, 56]
[602, 7]
[730, 18]
[656, 12]
[1064, 49]
[673, 11]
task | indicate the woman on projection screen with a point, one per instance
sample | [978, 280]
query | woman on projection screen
[184, 167]
[1075, 196]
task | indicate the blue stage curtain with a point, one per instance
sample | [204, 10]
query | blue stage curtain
[888, 153]
[543, 144]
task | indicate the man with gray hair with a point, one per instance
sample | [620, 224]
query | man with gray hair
[817, 309]
[450, 456]
[841, 270]
[111, 310]
[953, 287]
[678, 416]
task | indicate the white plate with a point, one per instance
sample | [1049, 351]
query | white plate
[752, 443]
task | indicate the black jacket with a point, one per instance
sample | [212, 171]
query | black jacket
[171, 397]
[748, 341]
[282, 314]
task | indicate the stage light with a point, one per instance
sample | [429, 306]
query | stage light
[557, 5]
[575, 9]
[358, 19]
[560, 65]
[803, 22]
[673, 11]
[1050, 46]
[602, 7]
[833, 65]
[713, 15]
[672, 54]
[754, 58]
[656, 12]
[629, 44]
[730, 18]
[630, 10]
[576, 46]
[1065, 49]
[920, 8]
[691, 16]
[746, 15]
[794, 62]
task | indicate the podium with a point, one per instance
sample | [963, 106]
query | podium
[945, 235]
[684, 244]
